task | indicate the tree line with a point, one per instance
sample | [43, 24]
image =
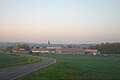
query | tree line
[18, 46]
[107, 48]
[25, 46]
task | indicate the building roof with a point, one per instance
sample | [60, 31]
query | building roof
[91, 50]
[15, 49]
[54, 45]
[21, 49]
[42, 49]
[72, 50]
[78, 50]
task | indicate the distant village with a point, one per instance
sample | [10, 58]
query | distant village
[51, 48]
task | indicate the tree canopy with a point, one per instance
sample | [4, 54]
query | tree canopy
[25, 46]
[108, 48]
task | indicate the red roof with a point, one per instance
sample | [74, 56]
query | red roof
[90, 50]
[66, 50]
[21, 49]
[71, 50]
[18, 49]
[78, 50]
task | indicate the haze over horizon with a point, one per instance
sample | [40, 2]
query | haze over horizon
[60, 21]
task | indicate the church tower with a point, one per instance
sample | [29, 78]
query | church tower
[49, 43]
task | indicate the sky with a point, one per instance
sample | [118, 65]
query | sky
[60, 21]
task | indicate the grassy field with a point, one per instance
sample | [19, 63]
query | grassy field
[78, 67]
[7, 60]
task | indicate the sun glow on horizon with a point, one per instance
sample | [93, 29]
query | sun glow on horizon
[60, 21]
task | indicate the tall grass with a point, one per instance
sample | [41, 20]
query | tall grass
[7, 60]
[93, 67]
[78, 67]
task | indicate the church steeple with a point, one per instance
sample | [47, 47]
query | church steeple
[49, 43]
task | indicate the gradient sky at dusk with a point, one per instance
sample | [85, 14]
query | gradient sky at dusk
[60, 21]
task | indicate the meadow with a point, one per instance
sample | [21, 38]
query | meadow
[78, 67]
[8, 60]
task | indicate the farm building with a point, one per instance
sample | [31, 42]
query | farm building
[71, 50]
[78, 51]
[92, 51]
[14, 50]
[51, 48]
[66, 51]
[43, 50]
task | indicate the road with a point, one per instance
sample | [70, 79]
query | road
[14, 72]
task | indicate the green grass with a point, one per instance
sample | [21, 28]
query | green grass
[78, 67]
[7, 60]
[53, 72]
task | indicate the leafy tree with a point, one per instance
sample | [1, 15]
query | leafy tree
[31, 53]
[25, 46]
[8, 49]
[70, 46]
[4, 50]
[107, 48]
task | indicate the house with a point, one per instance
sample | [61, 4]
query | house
[71, 50]
[92, 51]
[53, 46]
[78, 51]
[15, 50]
[66, 51]
[40, 50]
[21, 50]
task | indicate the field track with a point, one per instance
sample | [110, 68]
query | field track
[14, 72]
